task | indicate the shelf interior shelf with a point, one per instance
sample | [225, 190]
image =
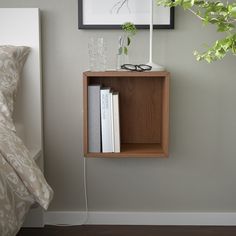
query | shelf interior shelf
[135, 150]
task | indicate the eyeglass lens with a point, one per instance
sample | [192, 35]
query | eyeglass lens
[129, 67]
[145, 67]
[140, 68]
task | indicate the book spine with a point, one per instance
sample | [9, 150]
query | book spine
[116, 122]
[94, 119]
[112, 123]
[106, 123]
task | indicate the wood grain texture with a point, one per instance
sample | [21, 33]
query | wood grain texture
[165, 115]
[134, 150]
[85, 114]
[126, 74]
[144, 111]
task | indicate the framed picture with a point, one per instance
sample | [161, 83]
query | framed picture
[111, 14]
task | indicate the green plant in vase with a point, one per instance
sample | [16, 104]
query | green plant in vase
[129, 30]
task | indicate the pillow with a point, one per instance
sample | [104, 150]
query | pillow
[5, 115]
[12, 60]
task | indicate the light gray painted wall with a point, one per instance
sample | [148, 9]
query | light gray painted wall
[200, 173]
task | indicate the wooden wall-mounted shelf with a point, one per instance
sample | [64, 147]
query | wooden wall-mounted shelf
[144, 112]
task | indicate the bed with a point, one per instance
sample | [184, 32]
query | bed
[22, 183]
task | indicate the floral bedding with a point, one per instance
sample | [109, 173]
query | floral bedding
[21, 181]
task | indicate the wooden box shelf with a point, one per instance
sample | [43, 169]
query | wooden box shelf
[144, 112]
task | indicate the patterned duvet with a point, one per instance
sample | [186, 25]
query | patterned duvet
[21, 181]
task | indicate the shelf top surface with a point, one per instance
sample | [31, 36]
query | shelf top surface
[134, 150]
[126, 73]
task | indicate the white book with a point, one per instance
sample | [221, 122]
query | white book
[112, 122]
[106, 122]
[116, 121]
[94, 119]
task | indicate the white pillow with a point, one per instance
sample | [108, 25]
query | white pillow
[12, 60]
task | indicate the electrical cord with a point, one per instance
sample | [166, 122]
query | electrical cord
[85, 220]
[85, 192]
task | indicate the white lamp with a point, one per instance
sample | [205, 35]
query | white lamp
[155, 67]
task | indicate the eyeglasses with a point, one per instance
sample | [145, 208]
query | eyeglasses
[139, 68]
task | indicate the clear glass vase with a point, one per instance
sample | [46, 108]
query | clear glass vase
[122, 56]
[121, 59]
[97, 54]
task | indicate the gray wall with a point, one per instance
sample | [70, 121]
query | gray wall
[200, 172]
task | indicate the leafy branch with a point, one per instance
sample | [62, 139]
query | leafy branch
[220, 14]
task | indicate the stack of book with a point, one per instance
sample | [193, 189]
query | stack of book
[103, 119]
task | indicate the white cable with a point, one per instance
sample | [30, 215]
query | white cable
[85, 192]
[85, 197]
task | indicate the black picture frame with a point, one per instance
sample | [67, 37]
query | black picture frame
[81, 24]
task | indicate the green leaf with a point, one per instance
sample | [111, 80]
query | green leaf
[222, 14]
[125, 50]
[213, 20]
[128, 41]
[233, 11]
[130, 28]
